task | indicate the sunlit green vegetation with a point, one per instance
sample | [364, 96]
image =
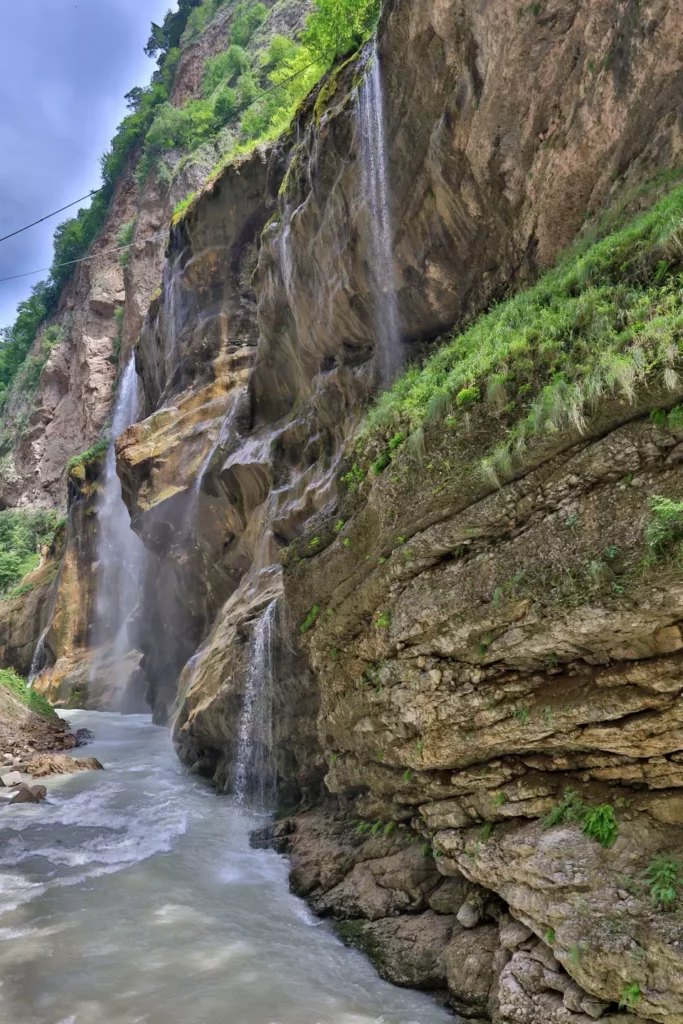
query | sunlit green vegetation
[28, 696]
[22, 534]
[606, 321]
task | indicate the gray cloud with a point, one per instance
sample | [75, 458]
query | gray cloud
[65, 66]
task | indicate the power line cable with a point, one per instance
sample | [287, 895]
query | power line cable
[85, 259]
[54, 214]
[143, 241]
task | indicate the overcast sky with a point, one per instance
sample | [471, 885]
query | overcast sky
[65, 66]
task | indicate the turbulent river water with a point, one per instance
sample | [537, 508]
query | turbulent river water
[132, 897]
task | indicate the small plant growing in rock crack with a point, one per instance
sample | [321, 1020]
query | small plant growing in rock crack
[548, 715]
[347, 542]
[354, 478]
[630, 996]
[376, 827]
[389, 828]
[407, 775]
[486, 831]
[522, 716]
[499, 799]
[310, 619]
[571, 521]
[550, 937]
[427, 850]
[665, 528]
[339, 526]
[664, 875]
[601, 824]
[333, 758]
[400, 540]
[380, 755]
[384, 620]
[571, 810]
[314, 543]
[611, 552]
[362, 827]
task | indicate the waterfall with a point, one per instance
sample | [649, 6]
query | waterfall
[370, 112]
[38, 658]
[222, 438]
[254, 775]
[121, 554]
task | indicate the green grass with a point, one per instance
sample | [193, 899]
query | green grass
[310, 619]
[31, 698]
[605, 322]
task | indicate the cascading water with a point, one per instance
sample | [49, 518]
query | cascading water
[370, 113]
[254, 777]
[121, 554]
[222, 438]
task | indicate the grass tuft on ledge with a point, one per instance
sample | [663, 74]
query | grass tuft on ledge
[606, 321]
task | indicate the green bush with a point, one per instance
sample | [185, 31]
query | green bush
[225, 68]
[225, 107]
[91, 455]
[338, 26]
[665, 529]
[31, 698]
[596, 822]
[600, 824]
[664, 876]
[630, 996]
[125, 237]
[246, 19]
[22, 534]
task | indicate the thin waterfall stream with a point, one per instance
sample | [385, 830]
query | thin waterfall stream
[254, 777]
[373, 153]
[121, 554]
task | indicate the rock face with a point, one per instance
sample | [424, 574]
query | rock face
[451, 658]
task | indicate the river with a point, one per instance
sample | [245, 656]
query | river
[131, 896]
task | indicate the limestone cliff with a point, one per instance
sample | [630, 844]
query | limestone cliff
[474, 631]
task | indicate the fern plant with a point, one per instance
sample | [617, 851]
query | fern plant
[601, 824]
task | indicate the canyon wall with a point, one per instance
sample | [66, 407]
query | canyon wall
[461, 660]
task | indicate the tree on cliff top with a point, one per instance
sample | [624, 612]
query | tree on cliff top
[337, 26]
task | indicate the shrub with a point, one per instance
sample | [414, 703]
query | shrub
[91, 455]
[663, 875]
[224, 107]
[601, 824]
[247, 18]
[339, 26]
[22, 534]
[596, 822]
[310, 619]
[31, 698]
[125, 237]
[224, 68]
[630, 996]
[665, 528]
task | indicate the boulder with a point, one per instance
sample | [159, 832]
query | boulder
[10, 779]
[29, 795]
[61, 764]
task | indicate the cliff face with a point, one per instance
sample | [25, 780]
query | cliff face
[450, 656]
